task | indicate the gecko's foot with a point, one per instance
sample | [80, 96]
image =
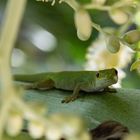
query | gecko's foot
[111, 90]
[69, 99]
[28, 86]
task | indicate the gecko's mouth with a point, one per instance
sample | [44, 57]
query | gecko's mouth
[116, 78]
[106, 82]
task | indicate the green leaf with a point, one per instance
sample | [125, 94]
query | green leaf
[122, 106]
[135, 65]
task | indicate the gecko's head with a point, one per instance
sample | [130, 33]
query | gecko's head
[105, 78]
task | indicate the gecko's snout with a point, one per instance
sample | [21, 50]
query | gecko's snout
[116, 76]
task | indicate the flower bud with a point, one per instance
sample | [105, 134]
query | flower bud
[83, 24]
[137, 18]
[84, 136]
[119, 16]
[135, 65]
[14, 124]
[53, 133]
[72, 127]
[132, 37]
[34, 108]
[113, 44]
[36, 129]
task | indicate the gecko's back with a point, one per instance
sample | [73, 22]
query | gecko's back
[66, 80]
[30, 78]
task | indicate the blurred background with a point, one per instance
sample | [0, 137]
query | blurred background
[48, 40]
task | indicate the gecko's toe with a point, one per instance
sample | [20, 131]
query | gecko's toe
[65, 101]
[69, 99]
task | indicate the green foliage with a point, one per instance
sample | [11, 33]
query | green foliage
[95, 108]
[69, 54]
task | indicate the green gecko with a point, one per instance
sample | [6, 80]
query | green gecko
[88, 81]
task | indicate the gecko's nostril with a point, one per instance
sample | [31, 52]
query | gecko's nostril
[116, 72]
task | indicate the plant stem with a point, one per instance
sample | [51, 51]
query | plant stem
[13, 16]
[98, 7]
[72, 3]
[98, 28]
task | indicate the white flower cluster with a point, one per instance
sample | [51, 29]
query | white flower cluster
[83, 24]
[118, 12]
[122, 12]
[54, 127]
[98, 57]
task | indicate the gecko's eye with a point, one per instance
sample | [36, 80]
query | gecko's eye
[97, 75]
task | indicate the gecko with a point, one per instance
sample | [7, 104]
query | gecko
[76, 81]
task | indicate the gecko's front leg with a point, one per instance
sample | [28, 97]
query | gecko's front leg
[74, 96]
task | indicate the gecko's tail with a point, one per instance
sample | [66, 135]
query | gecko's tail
[27, 78]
